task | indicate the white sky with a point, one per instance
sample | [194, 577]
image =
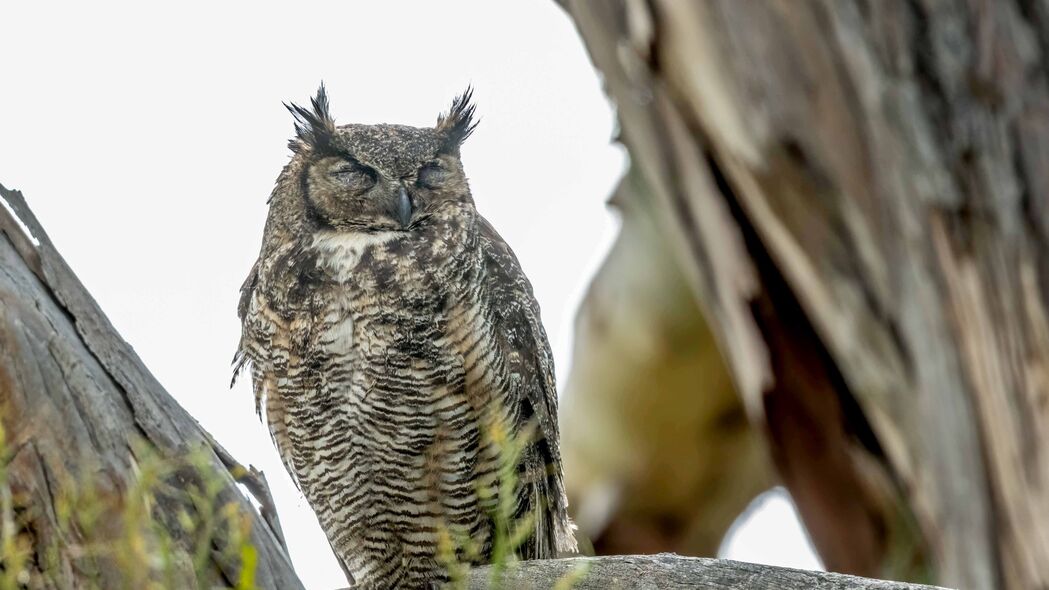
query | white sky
[147, 137]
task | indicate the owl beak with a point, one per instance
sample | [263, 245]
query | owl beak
[404, 208]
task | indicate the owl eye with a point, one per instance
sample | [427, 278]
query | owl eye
[353, 176]
[431, 175]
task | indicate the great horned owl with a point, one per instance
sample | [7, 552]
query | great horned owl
[388, 327]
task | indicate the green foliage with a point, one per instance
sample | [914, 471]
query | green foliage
[105, 534]
[457, 550]
[14, 550]
[167, 528]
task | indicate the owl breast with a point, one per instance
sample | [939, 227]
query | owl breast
[384, 407]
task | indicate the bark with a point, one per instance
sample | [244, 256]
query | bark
[857, 194]
[650, 465]
[81, 417]
[672, 572]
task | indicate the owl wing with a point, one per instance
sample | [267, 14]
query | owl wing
[267, 403]
[242, 358]
[520, 338]
[257, 355]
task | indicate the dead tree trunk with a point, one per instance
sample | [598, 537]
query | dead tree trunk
[83, 423]
[857, 193]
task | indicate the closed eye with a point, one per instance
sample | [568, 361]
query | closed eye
[431, 175]
[347, 166]
[355, 177]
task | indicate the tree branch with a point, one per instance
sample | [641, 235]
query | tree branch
[667, 571]
[82, 414]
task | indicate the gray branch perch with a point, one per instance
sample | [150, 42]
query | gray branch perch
[673, 572]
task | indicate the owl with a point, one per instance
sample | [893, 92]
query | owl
[395, 345]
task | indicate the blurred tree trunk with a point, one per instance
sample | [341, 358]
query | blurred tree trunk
[107, 482]
[857, 194]
[651, 464]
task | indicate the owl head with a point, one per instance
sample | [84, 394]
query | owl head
[373, 178]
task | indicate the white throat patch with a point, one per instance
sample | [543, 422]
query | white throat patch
[339, 252]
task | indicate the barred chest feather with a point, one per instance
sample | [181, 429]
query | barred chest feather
[382, 407]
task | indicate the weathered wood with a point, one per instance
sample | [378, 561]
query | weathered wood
[858, 195]
[79, 410]
[659, 456]
[673, 572]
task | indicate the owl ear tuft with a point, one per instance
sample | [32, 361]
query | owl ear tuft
[315, 127]
[457, 124]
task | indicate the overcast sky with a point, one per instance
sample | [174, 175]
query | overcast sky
[147, 136]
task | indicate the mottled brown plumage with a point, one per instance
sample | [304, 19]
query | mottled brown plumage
[388, 328]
